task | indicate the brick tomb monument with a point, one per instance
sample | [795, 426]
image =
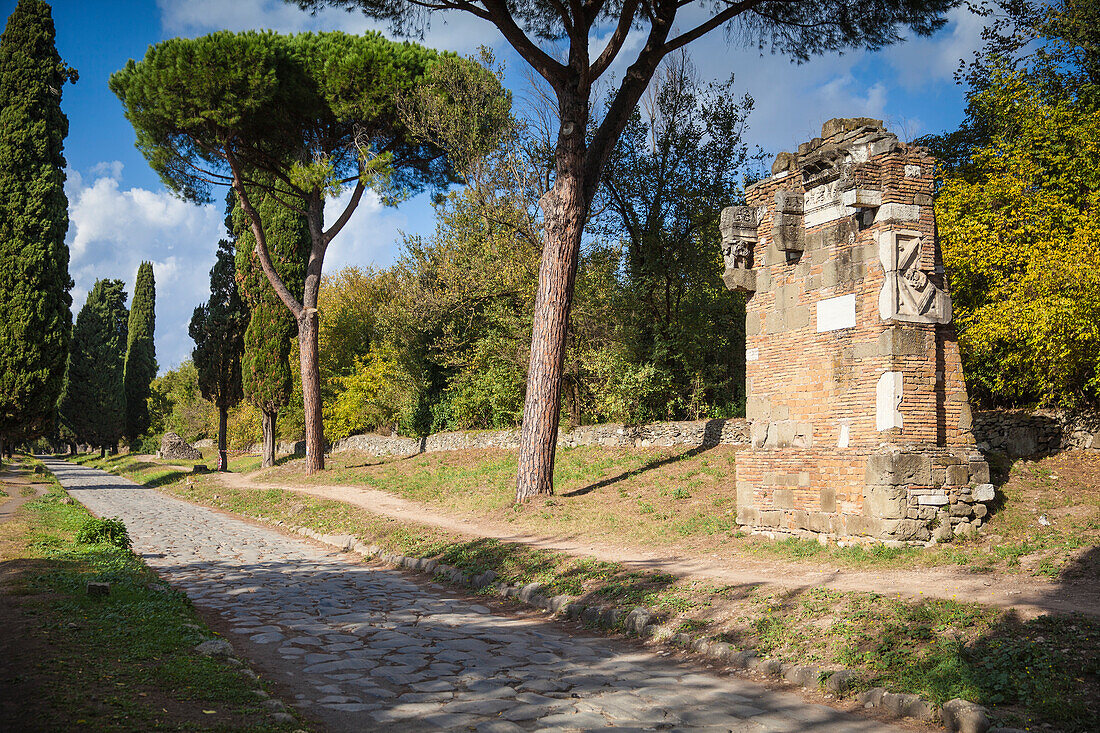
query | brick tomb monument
[858, 410]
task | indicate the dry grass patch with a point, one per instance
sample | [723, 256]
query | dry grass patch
[645, 496]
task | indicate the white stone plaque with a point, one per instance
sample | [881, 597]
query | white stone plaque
[752, 354]
[888, 401]
[834, 314]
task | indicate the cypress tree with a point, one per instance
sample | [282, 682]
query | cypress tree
[141, 355]
[34, 262]
[218, 331]
[266, 373]
[93, 405]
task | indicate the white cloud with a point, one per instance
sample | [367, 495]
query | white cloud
[112, 230]
[370, 236]
[453, 31]
[920, 62]
[188, 16]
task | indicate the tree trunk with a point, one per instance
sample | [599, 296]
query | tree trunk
[564, 210]
[311, 391]
[223, 420]
[102, 452]
[2, 444]
[269, 418]
[72, 449]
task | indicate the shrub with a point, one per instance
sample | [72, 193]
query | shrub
[104, 531]
[147, 445]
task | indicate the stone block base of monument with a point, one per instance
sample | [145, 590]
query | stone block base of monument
[858, 411]
[913, 495]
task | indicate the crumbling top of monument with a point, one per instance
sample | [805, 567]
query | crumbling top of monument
[843, 140]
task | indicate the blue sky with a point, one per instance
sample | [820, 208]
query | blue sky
[120, 214]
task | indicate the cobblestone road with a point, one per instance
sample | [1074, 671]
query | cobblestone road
[367, 648]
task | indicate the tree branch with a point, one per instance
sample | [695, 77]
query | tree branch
[466, 7]
[261, 241]
[346, 214]
[630, 91]
[720, 19]
[500, 16]
[615, 43]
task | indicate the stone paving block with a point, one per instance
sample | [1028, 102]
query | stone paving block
[478, 707]
[450, 721]
[498, 726]
[517, 713]
[573, 719]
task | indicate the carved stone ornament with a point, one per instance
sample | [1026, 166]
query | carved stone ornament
[787, 226]
[907, 292]
[738, 228]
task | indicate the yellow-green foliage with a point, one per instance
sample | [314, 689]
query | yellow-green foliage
[371, 398]
[1020, 226]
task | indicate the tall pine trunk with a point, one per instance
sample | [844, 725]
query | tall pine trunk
[564, 209]
[268, 420]
[223, 420]
[102, 452]
[311, 390]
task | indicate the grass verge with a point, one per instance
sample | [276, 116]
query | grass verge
[122, 663]
[1029, 672]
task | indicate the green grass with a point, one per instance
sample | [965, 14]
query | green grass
[1039, 671]
[681, 500]
[124, 662]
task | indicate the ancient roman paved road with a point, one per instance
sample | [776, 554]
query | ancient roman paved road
[368, 648]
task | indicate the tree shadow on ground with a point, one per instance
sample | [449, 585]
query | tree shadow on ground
[385, 460]
[1031, 672]
[169, 478]
[651, 465]
[712, 436]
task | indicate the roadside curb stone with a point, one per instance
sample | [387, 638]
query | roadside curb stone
[217, 648]
[962, 716]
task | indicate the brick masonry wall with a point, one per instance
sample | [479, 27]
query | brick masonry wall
[821, 381]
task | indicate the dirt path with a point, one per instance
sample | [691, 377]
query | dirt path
[1028, 595]
[13, 480]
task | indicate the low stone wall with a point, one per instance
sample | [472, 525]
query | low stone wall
[1023, 433]
[292, 447]
[696, 432]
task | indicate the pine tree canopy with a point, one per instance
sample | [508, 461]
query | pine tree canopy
[141, 356]
[93, 405]
[34, 261]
